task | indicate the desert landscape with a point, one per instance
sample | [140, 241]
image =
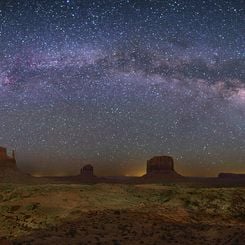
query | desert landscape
[161, 207]
[121, 214]
[122, 122]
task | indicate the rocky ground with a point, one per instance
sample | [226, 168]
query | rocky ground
[121, 214]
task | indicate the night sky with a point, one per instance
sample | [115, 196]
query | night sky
[114, 83]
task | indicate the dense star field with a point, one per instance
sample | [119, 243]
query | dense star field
[115, 82]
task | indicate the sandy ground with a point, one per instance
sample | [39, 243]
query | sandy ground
[121, 214]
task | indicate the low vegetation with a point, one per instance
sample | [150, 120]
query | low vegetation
[25, 209]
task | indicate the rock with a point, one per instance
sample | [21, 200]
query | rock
[87, 171]
[161, 166]
[7, 162]
[8, 168]
[9, 172]
[160, 163]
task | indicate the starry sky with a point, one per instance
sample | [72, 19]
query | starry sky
[115, 82]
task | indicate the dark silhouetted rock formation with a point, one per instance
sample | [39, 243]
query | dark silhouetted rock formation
[161, 166]
[231, 176]
[87, 171]
[8, 168]
[7, 162]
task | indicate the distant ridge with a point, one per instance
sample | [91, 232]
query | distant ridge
[231, 175]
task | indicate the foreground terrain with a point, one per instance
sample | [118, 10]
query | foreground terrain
[121, 214]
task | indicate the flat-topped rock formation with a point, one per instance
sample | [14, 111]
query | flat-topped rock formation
[9, 171]
[8, 166]
[7, 162]
[87, 172]
[231, 176]
[161, 166]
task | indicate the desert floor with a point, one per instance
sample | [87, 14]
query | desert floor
[121, 214]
